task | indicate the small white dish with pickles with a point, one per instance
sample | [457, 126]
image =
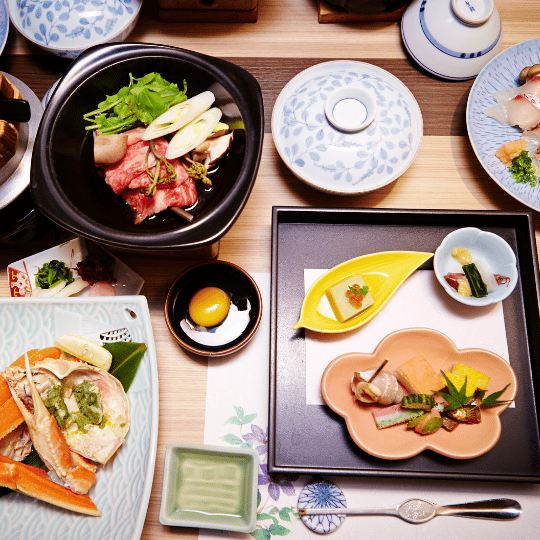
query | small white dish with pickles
[488, 276]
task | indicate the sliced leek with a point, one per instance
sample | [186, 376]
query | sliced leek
[179, 115]
[196, 132]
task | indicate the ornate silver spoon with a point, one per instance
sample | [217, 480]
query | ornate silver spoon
[323, 520]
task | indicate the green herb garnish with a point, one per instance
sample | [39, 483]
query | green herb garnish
[362, 291]
[52, 274]
[455, 398]
[492, 399]
[458, 398]
[155, 178]
[126, 359]
[478, 287]
[142, 101]
[522, 169]
[198, 171]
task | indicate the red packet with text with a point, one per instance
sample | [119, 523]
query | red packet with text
[19, 283]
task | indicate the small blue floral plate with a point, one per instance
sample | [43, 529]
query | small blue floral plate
[335, 161]
[486, 134]
[68, 27]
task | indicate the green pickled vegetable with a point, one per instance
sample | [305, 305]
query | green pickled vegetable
[142, 101]
[424, 402]
[52, 274]
[432, 425]
[478, 287]
[412, 423]
[522, 169]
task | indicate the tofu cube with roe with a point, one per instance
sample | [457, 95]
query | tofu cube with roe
[345, 307]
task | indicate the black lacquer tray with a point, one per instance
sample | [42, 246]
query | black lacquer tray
[311, 439]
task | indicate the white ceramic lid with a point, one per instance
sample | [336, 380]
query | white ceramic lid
[330, 158]
[453, 39]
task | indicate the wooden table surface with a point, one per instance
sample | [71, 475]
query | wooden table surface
[286, 39]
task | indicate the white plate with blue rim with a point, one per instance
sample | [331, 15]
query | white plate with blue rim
[486, 134]
[335, 157]
[4, 24]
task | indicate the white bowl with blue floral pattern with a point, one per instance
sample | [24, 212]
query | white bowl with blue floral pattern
[68, 27]
[336, 161]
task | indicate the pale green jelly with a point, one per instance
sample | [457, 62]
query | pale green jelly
[211, 487]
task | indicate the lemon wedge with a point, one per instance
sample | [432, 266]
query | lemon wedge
[85, 350]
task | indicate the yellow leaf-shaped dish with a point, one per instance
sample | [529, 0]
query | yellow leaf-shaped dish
[383, 272]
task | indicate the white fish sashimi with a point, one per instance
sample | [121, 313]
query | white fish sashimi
[179, 115]
[74, 287]
[51, 291]
[530, 87]
[532, 140]
[522, 111]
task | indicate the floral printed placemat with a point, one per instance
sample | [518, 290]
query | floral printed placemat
[237, 415]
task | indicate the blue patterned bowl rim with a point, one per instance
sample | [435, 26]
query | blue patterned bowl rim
[4, 24]
[123, 16]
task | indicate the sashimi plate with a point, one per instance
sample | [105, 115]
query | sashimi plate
[486, 134]
[465, 442]
[123, 485]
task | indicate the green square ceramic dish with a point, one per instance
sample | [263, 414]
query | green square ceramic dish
[210, 487]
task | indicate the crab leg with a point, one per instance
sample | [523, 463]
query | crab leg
[50, 444]
[34, 482]
[38, 355]
[10, 416]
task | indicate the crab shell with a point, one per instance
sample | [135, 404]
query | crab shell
[97, 444]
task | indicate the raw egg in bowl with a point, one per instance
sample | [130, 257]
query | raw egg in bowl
[213, 308]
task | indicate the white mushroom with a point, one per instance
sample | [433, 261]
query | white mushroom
[109, 149]
[213, 149]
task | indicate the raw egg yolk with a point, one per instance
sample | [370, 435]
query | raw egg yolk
[209, 306]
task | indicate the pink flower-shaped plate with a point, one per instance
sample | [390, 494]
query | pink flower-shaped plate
[398, 442]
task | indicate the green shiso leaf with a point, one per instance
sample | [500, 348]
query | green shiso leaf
[126, 360]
